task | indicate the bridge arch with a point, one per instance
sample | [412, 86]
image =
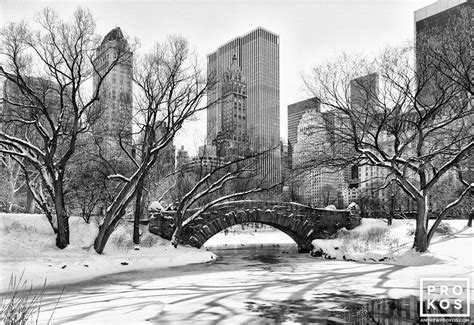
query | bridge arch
[302, 223]
[201, 235]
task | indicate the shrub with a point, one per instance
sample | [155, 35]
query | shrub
[377, 235]
[149, 240]
[121, 238]
[372, 239]
[16, 226]
[444, 229]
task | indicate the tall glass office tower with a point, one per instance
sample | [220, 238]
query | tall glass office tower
[258, 55]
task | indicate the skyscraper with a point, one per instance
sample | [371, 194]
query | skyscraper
[445, 63]
[258, 55]
[232, 138]
[445, 24]
[315, 184]
[363, 90]
[440, 13]
[295, 113]
[115, 99]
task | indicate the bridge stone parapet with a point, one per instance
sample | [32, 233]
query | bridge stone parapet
[302, 223]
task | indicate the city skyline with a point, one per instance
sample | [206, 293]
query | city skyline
[361, 214]
[310, 32]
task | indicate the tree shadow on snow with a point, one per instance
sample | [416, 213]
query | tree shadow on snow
[213, 301]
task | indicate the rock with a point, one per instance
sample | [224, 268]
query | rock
[318, 253]
[124, 263]
[352, 205]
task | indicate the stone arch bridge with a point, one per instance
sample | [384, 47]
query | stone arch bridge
[302, 223]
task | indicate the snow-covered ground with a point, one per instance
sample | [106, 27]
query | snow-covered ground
[28, 245]
[453, 247]
[228, 290]
[237, 289]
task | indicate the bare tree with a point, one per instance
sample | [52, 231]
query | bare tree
[447, 190]
[413, 120]
[329, 195]
[161, 172]
[171, 89]
[13, 180]
[86, 189]
[48, 71]
[370, 206]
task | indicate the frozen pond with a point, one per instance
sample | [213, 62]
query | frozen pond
[256, 289]
[247, 284]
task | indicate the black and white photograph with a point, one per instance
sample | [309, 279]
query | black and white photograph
[236, 162]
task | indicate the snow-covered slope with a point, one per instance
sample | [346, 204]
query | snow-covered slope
[454, 246]
[27, 244]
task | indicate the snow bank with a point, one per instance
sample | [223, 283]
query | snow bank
[396, 246]
[28, 245]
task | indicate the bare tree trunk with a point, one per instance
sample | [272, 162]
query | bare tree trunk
[421, 235]
[30, 202]
[49, 216]
[392, 209]
[137, 213]
[62, 236]
[117, 209]
[105, 230]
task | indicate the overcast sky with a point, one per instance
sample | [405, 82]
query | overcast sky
[310, 31]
